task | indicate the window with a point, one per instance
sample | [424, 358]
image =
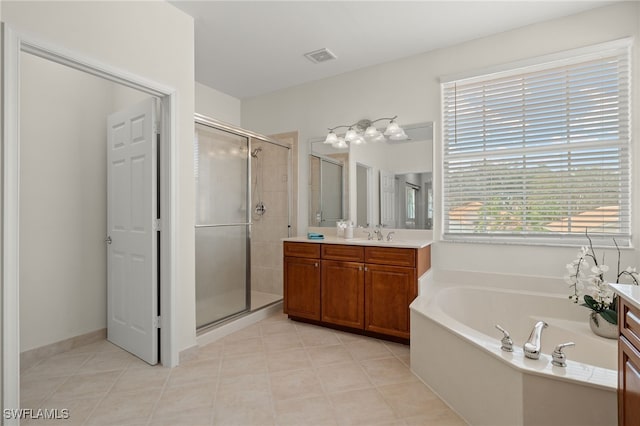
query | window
[540, 153]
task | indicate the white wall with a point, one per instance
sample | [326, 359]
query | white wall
[410, 88]
[62, 202]
[152, 40]
[217, 105]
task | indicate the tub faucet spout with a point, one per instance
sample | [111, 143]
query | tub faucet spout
[531, 347]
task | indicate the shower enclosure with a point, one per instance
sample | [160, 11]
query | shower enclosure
[242, 213]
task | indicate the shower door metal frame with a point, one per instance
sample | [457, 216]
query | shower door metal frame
[225, 127]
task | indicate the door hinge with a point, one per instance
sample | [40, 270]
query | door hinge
[156, 127]
[156, 224]
[157, 322]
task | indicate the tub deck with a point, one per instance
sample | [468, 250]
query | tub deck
[456, 351]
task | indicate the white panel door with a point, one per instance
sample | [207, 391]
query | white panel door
[132, 278]
[387, 199]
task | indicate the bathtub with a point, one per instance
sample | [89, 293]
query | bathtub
[455, 350]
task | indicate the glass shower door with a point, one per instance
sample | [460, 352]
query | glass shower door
[222, 225]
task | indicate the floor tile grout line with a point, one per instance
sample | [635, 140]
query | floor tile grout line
[155, 405]
[274, 412]
[376, 386]
[55, 390]
[313, 369]
[67, 378]
[327, 396]
[358, 362]
[48, 396]
[95, 407]
[216, 392]
[69, 374]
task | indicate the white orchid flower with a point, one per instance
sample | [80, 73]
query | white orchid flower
[600, 269]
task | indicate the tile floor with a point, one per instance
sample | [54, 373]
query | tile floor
[275, 372]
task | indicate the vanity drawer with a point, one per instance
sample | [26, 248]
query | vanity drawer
[343, 252]
[390, 256]
[308, 250]
[629, 319]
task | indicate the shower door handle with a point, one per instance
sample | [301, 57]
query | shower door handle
[108, 239]
[219, 225]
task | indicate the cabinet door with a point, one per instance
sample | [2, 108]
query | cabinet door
[628, 384]
[343, 293]
[388, 292]
[302, 287]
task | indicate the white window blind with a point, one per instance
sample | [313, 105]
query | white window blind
[540, 154]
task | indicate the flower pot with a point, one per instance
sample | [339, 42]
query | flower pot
[602, 327]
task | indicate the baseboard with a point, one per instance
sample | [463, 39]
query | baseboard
[33, 356]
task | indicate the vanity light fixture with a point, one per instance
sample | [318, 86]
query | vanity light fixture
[365, 131]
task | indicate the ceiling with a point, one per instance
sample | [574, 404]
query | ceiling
[249, 48]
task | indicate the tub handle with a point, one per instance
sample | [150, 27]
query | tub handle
[507, 343]
[559, 358]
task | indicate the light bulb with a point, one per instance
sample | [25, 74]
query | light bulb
[371, 133]
[331, 138]
[399, 136]
[379, 138]
[350, 135]
[340, 144]
[358, 140]
[392, 128]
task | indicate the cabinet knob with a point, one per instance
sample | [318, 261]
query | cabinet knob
[366, 269]
[359, 268]
[315, 264]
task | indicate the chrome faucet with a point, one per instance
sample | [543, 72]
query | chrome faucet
[558, 358]
[378, 232]
[507, 343]
[390, 235]
[365, 228]
[531, 347]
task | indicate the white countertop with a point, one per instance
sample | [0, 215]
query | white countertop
[332, 239]
[629, 292]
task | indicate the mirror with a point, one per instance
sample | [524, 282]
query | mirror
[327, 188]
[386, 182]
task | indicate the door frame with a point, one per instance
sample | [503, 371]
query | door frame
[13, 43]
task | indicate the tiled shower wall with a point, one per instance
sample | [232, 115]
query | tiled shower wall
[269, 184]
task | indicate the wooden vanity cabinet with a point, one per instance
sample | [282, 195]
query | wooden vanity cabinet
[389, 291]
[366, 289]
[342, 285]
[302, 280]
[628, 364]
[391, 284]
[342, 293]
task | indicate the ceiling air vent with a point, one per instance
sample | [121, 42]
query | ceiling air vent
[320, 55]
